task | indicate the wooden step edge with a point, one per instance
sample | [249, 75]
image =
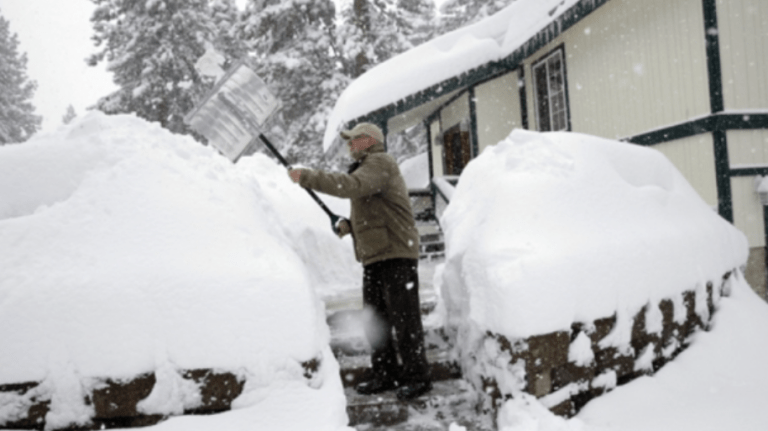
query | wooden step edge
[355, 370]
[385, 410]
[378, 410]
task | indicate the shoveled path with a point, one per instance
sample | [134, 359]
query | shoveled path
[452, 401]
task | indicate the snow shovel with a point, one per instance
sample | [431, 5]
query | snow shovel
[231, 117]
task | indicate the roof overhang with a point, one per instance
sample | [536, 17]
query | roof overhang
[416, 107]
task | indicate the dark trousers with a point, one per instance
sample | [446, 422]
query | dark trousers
[393, 323]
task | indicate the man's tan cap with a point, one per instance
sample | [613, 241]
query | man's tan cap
[368, 129]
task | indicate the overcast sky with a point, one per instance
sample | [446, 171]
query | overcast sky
[56, 35]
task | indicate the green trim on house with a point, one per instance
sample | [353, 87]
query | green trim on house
[723, 175]
[429, 161]
[385, 131]
[718, 125]
[429, 149]
[473, 122]
[523, 96]
[708, 124]
[749, 172]
[716, 104]
[713, 56]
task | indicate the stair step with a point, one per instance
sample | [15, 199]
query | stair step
[449, 401]
[357, 369]
[379, 410]
[432, 256]
[348, 337]
[431, 237]
[432, 246]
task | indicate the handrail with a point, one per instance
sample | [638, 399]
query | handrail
[445, 186]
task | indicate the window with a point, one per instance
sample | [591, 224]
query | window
[456, 146]
[550, 93]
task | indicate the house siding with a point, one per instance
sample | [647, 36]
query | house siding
[694, 157]
[455, 111]
[743, 32]
[498, 109]
[633, 67]
[747, 148]
[747, 211]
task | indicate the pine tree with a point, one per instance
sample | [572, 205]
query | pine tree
[17, 119]
[151, 47]
[417, 19]
[226, 19]
[373, 31]
[459, 13]
[69, 115]
[292, 48]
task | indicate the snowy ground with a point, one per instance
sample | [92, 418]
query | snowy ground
[126, 249]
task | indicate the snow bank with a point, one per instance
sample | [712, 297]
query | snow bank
[547, 229]
[718, 383]
[126, 249]
[415, 171]
[442, 58]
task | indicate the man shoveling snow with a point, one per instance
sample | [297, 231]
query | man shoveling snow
[387, 244]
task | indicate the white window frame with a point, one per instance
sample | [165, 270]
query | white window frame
[559, 119]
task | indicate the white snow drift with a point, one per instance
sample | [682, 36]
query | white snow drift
[126, 249]
[547, 229]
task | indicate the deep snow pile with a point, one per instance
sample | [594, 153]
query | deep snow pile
[720, 382]
[126, 249]
[547, 229]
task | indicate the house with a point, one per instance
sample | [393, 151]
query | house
[688, 77]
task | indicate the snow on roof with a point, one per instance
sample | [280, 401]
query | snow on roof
[442, 58]
[547, 229]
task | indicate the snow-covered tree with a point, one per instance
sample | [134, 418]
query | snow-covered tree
[151, 47]
[226, 18]
[459, 13]
[69, 115]
[372, 31]
[292, 47]
[17, 119]
[417, 19]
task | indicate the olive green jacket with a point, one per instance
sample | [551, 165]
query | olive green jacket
[380, 216]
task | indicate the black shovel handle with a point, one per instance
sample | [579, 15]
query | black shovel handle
[335, 219]
[232, 107]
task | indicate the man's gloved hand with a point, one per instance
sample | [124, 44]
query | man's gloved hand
[343, 228]
[295, 174]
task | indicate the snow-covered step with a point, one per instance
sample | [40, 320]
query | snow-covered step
[450, 401]
[431, 241]
[357, 368]
[352, 350]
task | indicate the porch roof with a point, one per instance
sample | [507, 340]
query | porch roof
[407, 88]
